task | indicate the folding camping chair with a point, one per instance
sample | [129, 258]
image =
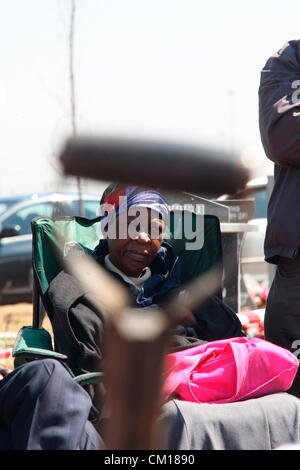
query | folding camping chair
[51, 238]
[34, 342]
[266, 422]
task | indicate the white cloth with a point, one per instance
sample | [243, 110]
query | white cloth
[136, 281]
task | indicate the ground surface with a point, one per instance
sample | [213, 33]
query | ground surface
[12, 318]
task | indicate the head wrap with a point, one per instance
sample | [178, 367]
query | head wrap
[118, 198]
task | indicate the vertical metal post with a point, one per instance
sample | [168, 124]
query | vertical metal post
[38, 310]
[72, 92]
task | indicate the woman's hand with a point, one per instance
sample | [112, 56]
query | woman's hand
[4, 371]
[186, 315]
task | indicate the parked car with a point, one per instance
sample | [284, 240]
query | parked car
[8, 201]
[16, 238]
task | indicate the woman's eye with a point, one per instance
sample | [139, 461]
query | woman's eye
[156, 230]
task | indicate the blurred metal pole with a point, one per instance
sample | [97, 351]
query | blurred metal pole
[154, 164]
[72, 91]
[133, 380]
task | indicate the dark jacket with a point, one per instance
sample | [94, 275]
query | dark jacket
[279, 120]
[78, 325]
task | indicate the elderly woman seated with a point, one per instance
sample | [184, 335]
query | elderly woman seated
[134, 252]
[42, 407]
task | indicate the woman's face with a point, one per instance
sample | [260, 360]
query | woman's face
[137, 249]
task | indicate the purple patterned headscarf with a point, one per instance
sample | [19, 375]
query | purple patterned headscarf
[118, 198]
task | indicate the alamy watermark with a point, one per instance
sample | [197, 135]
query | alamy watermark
[296, 346]
[179, 222]
[296, 94]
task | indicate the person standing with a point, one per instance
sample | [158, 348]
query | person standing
[279, 122]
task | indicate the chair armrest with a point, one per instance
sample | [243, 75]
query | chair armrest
[32, 344]
[88, 378]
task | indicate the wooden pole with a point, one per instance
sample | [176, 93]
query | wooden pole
[133, 379]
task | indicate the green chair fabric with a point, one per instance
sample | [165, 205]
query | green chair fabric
[88, 378]
[195, 262]
[49, 239]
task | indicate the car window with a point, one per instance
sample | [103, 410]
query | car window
[90, 208]
[3, 207]
[7, 203]
[21, 219]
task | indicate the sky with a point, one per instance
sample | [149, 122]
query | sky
[178, 70]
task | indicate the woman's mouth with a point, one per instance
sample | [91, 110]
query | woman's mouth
[137, 256]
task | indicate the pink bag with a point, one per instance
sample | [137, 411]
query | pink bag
[229, 370]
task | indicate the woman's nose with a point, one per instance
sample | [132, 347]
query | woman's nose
[143, 237]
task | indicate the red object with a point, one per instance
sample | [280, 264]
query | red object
[265, 293]
[5, 353]
[252, 324]
[114, 198]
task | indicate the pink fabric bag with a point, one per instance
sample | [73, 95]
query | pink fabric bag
[229, 370]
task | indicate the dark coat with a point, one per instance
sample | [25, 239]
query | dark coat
[78, 325]
[279, 120]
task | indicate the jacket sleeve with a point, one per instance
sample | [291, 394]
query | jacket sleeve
[77, 325]
[216, 320]
[279, 106]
